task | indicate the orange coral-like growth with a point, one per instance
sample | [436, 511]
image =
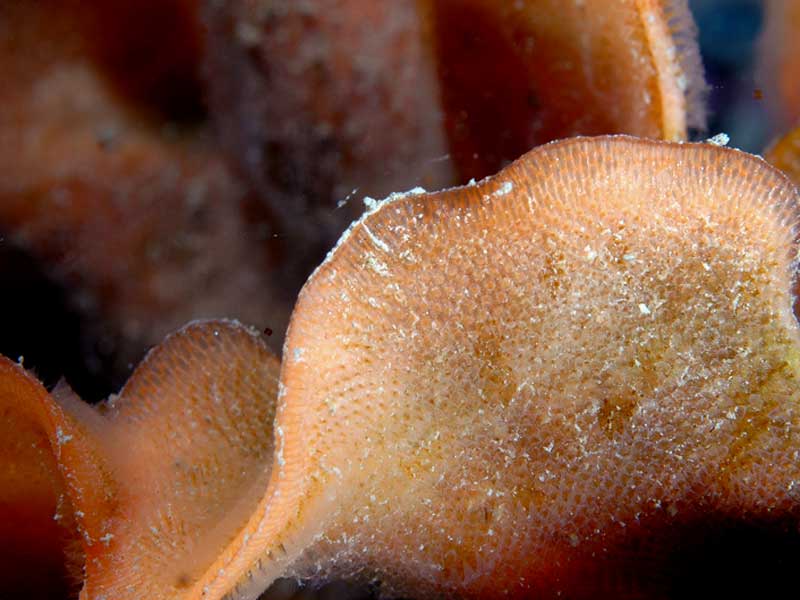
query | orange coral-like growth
[529, 387]
[190, 442]
[157, 480]
[55, 485]
[497, 389]
[37, 526]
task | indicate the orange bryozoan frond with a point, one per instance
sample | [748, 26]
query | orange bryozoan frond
[151, 485]
[531, 386]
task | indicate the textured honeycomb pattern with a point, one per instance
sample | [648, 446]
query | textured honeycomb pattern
[144, 492]
[189, 442]
[486, 387]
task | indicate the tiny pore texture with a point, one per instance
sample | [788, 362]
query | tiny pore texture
[494, 390]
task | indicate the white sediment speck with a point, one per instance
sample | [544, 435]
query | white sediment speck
[375, 240]
[377, 265]
[248, 34]
[346, 199]
[644, 309]
[721, 139]
[279, 452]
[503, 189]
[373, 206]
[62, 437]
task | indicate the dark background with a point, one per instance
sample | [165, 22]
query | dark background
[729, 35]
